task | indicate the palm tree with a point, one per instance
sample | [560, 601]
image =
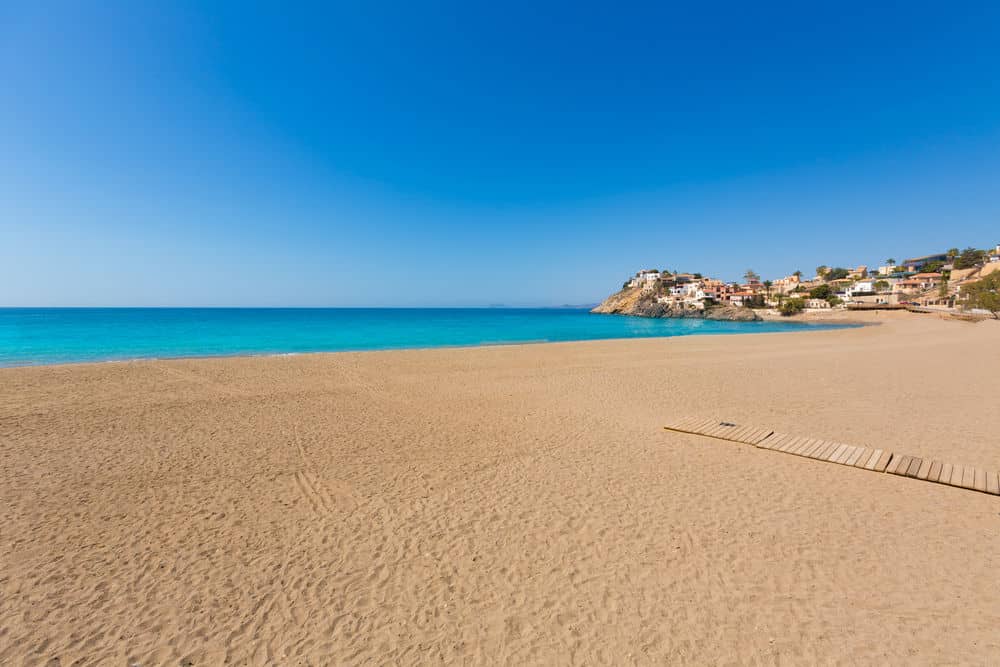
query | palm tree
[750, 275]
[797, 273]
[821, 270]
[890, 262]
[953, 253]
[767, 286]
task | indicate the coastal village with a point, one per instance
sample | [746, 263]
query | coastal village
[964, 282]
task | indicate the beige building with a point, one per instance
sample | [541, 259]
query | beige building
[786, 284]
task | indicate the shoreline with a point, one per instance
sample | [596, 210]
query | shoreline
[833, 325]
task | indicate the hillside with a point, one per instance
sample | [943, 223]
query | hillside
[634, 301]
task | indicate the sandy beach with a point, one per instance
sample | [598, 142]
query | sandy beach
[504, 505]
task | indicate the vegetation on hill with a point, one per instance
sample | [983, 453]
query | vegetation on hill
[969, 258]
[792, 307]
[984, 294]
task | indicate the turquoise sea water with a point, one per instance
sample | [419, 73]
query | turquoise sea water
[63, 335]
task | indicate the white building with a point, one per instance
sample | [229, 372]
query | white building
[860, 287]
[646, 277]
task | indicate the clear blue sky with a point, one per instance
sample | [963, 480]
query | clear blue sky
[399, 153]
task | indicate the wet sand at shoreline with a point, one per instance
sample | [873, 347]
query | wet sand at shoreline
[512, 504]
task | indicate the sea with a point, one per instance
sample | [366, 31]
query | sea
[37, 336]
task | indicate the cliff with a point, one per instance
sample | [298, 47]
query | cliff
[632, 301]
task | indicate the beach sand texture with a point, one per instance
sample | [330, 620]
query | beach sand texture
[505, 505]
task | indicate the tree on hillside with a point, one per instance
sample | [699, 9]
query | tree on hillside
[953, 253]
[838, 273]
[890, 262]
[750, 276]
[932, 267]
[881, 285]
[792, 307]
[821, 270]
[969, 258]
[984, 294]
[767, 286]
[797, 273]
[820, 292]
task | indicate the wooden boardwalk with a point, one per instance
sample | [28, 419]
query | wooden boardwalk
[856, 456]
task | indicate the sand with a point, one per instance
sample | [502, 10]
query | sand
[504, 505]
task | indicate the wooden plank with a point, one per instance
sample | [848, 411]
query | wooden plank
[853, 453]
[946, 471]
[848, 453]
[858, 456]
[747, 435]
[685, 424]
[704, 426]
[993, 482]
[677, 424]
[842, 453]
[819, 453]
[730, 433]
[810, 448]
[866, 453]
[801, 447]
[792, 442]
[839, 453]
[799, 444]
[714, 429]
[876, 455]
[700, 427]
[968, 477]
[785, 440]
[738, 433]
[823, 453]
[836, 452]
[722, 431]
[853, 458]
[759, 435]
[979, 480]
[883, 461]
[770, 441]
[710, 428]
[815, 447]
[899, 465]
[775, 441]
[904, 465]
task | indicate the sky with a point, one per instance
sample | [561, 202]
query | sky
[461, 154]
